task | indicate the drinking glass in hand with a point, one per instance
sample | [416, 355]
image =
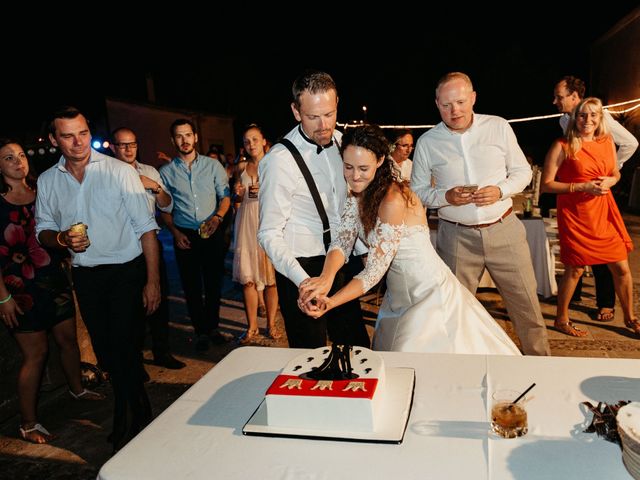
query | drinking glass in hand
[508, 420]
[80, 227]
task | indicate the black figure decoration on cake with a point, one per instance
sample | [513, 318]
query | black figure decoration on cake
[337, 365]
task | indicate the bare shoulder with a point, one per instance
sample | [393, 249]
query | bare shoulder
[394, 206]
[394, 195]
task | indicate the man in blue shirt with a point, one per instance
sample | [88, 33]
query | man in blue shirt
[200, 189]
[110, 264]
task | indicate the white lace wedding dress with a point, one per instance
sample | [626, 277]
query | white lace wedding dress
[425, 308]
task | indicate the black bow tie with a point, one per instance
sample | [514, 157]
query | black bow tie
[319, 148]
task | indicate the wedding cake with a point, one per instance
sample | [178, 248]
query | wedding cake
[339, 388]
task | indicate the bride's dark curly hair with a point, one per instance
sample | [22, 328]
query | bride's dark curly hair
[371, 137]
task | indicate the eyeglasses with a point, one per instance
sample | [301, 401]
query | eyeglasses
[405, 145]
[124, 146]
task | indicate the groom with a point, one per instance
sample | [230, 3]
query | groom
[291, 231]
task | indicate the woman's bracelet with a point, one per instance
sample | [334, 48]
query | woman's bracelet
[572, 187]
[59, 242]
[6, 299]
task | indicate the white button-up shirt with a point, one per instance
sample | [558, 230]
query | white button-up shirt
[487, 153]
[110, 200]
[290, 226]
[150, 172]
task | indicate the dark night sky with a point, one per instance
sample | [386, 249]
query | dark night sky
[513, 66]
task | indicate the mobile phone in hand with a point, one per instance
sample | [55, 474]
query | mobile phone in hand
[469, 188]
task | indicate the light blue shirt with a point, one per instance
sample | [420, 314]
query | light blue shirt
[196, 191]
[111, 201]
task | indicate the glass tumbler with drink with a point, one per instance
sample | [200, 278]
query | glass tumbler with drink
[508, 418]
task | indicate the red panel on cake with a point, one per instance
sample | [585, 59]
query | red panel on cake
[293, 385]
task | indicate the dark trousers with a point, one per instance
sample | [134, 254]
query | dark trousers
[605, 290]
[343, 324]
[202, 267]
[158, 321]
[110, 301]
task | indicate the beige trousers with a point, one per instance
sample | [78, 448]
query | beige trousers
[503, 250]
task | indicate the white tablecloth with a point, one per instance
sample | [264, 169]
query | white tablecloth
[541, 257]
[200, 435]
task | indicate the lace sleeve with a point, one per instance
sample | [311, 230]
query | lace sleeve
[347, 231]
[383, 245]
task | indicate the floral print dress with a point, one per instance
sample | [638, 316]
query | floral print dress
[32, 274]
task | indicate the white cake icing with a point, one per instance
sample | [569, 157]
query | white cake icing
[338, 405]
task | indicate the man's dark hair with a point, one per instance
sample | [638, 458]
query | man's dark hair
[63, 112]
[181, 121]
[574, 84]
[312, 81]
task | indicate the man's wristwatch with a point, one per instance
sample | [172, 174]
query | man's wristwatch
[219, 216]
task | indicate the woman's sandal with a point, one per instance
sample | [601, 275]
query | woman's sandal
[274, 333]
[249, 336]
[87, 394]
[605, 314]
[633, 324]
[36, 434]
[569, 328]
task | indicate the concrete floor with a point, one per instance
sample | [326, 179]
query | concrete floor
[82, 427]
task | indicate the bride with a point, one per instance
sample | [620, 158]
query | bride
[425, 308]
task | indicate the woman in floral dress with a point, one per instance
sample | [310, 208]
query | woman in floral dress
[35, 295]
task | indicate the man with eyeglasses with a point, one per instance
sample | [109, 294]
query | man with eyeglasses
[125, 148]
[402, 144]
[567, 94]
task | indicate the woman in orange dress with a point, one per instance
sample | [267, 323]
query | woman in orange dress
[581, 169]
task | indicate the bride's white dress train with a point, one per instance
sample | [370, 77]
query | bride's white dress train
[425, 308]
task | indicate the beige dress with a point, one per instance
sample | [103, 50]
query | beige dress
[250, 262]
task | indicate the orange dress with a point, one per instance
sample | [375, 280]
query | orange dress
[590, 227]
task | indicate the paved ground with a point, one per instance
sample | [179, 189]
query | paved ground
[82, 427]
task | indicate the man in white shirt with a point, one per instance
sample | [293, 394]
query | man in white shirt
[291, 230]
[567, 94]
[125, 148]
[477, 166]
[115, 267]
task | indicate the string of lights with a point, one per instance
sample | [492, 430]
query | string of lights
[513, 120]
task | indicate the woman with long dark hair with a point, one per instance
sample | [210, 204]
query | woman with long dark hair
[35, 295]
[425, 309]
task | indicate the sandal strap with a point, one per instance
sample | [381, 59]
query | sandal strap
[36, 428]
[83, 393]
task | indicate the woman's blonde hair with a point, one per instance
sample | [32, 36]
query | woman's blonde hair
[573, 135]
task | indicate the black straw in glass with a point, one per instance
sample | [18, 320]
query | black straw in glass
[523, 394]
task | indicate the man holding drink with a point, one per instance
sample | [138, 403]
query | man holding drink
[109, 275]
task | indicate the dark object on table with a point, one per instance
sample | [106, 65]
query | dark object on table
[337, 365]
[604, 420]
